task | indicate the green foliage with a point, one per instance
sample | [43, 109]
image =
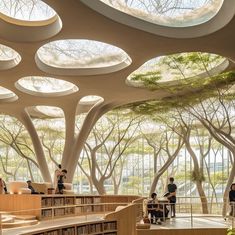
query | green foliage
[231, 231]
[176, 67]
[181, 176]
[220, 178]
[187, 94]
[197, 176]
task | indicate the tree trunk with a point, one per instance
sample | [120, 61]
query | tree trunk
[160, 173]
[71, 156]
[99, 185]
[197, 181]
[202, 197]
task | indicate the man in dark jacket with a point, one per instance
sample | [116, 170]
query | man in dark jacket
[172, 195]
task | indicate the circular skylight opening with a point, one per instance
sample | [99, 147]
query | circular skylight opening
[168, 18]
[81, 57]
[27, 10]
[178, 67]
[90, 100]
[50, 111]
[9, 58]
[173, 13]
[7, 95]
[45, 86]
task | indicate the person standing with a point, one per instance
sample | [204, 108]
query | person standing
[172, 195]
[61, 179]
[56, 175]
[232, 199]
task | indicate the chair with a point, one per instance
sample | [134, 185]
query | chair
[41, 187]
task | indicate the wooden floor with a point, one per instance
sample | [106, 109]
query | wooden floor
[196, 222]
[184, 225]
[174, 226]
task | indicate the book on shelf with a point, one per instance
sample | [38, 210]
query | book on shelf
[68, 231]
[46, 213]
[88, 200]
[58, 201]
[78, 210]
[110, 226]
[111, 233]
[78, 200]
[96, 200]
[69, 210]
[59, 211]
[46, 202]
[82, 230]
[55, 232]
[69, 200]
[95, 228]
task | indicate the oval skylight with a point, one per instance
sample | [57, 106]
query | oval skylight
[27, 10]
[50, 111]
[172, 13]
[45, 86]
[9, 58]
[80, 57]
[90, 100]
[178, 67]
[6, 94]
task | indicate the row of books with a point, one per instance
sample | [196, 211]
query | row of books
[59, 201]
[68, 231]
[98, 229]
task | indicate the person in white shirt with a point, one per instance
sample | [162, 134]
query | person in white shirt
[56, 176]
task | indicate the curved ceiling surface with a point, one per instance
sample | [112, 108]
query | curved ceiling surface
[81, 57]
[177, 67]
[27, 10]
[45, 86]
[84, 19]
[173, 13]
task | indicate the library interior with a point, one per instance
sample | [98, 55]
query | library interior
[117, 117]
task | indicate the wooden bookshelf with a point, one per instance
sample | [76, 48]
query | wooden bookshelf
[21, 204]
[105, 227]
[55, 206]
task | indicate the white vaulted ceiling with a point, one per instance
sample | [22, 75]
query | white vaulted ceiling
[55, 53]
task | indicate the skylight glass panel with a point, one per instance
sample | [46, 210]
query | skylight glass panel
[5, 93]
[6, 53]
[46, 85]
[90, 99]
[28, 10]
[179, 66]
[80, 54]
[50, 111]
[175, 13]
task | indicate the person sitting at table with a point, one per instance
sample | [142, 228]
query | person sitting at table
[33, 191]
[155, 209]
